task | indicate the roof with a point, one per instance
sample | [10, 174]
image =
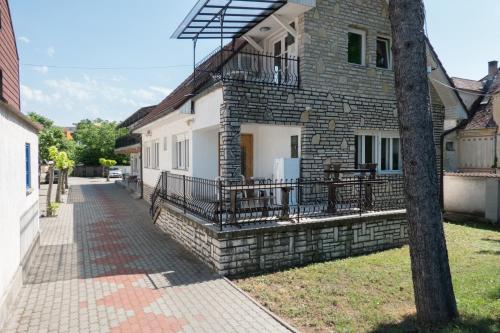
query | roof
[482, 110]
[36, 127]
[186, 90]
[137, 116]
[466, 84]
[239, 17]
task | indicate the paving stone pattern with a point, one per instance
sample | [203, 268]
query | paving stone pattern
[104, 267]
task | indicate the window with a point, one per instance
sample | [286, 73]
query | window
[294, 146]
[165, 144]
[356, 47]
[383, 53]
[27, 152]
[147, 156]
[1, 86]
[382, 149]
[450, 146]
[156, 155]
[365, 149]
[181, 154]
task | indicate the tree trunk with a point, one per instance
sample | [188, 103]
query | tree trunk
[63, 185]
[66, 178]
[58, 191]
[49, 191]
[107, 179]
[433, 289]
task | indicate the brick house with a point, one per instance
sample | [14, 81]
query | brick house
[19, 223]
[303, 83]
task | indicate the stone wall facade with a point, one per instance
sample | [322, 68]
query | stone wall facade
[148, 192]
[244, 251]
[323, 48]
[329, 122]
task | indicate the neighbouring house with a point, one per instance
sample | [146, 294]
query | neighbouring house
[68, 132]
[131, 145]
[478, 149]
[19, 206]
[474, 187]
[292, 121]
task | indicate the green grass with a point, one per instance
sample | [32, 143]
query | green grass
[374, 293]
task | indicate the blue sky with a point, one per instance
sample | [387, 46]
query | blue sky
[127, 33]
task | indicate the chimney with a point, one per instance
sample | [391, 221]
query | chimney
[492, 68]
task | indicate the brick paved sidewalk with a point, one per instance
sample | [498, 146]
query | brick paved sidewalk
[104, 267]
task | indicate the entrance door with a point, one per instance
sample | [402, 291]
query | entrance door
[247, 155]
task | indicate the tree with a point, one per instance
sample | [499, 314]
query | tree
[52, 156]
[107, 164]
[433, 289]
[96, 139]
[62, 163]
[50, 136]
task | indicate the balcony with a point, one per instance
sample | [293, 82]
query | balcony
[128, 144]
[248, 67]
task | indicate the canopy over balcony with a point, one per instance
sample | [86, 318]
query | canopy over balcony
[213, 19]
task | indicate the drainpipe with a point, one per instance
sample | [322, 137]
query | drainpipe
[495, 153]
[441, 171]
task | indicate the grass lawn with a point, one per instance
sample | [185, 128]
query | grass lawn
[374, 293]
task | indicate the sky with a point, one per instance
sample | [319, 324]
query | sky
[66, 49]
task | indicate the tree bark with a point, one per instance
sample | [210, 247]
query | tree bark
[107, 177]
[433, 289]
[58, 190]
[63, 185]
[49, 191]
[66, 179]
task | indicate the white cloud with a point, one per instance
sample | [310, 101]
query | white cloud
[35, 95]
[146, 95]
[72, 89]
[51, 51]
[41, 69]
[24, 39]
[162, 90]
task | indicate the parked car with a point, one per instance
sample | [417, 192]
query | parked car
[115, 172]
[56, 177]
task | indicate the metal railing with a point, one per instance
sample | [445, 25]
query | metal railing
[252, 67]
[127, 140]
[356, 192]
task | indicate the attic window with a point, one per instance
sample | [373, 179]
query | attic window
[383, 53]
[356, 47]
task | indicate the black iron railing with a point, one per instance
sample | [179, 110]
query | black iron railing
[127, 140]
[356, 192]
[251, 67]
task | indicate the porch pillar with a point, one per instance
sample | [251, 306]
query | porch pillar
[229, 145]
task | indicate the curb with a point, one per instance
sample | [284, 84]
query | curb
[253, 300]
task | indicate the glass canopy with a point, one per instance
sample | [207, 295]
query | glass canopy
[238, 17]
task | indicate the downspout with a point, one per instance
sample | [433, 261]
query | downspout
[441, 167]
[495, 153]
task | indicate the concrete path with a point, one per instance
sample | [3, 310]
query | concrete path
[104, 267]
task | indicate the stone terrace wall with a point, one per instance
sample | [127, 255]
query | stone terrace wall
[329, 122]
[246, 251]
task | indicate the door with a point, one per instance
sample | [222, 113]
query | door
[247, 155]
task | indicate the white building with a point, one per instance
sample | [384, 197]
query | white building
[19, 207]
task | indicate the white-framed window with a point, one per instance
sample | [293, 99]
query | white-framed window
[156, 154]
[356, 47]
[147, 156]
[382, 148]
[165, 144]
[181, 152]
[384, 54]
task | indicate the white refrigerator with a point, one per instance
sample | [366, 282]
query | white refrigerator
[286, 170]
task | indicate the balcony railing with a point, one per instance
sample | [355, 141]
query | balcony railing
[127, 141]
[258, 68]
[224, 203]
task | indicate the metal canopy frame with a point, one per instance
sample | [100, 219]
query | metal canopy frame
[224, 19]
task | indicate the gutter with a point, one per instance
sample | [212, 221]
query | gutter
[441, 167]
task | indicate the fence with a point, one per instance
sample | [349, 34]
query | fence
[299, 200]
[88, 171]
